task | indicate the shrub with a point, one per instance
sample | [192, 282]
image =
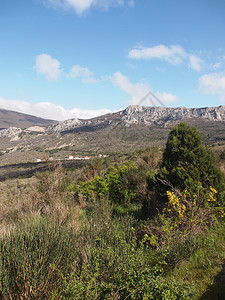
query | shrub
[116, 266]
[123, 184]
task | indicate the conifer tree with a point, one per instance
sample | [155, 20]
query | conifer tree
[187, 162]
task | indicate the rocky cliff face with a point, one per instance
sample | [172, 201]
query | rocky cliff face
[144, 116]
[64, 125]
[164, 116]
[11, 132]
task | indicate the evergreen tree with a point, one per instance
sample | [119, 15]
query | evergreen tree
[187, 162]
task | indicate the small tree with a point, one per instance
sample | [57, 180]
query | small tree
[187, 162]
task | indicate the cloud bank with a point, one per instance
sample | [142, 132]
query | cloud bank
[138, 91]
[49, 110]
[174, 55]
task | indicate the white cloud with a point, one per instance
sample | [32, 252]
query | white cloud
[217, 66]
[85, 74]
[174, 55]
[213, 84]
[49, 110]
[131, 3]
[167, 98]
[80, 6]
[48, 66]
[195, 62]
[138, 91]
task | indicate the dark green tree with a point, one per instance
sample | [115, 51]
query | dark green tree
[187, 162]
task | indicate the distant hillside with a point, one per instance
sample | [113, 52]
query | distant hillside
[136, 127]
[10, 118]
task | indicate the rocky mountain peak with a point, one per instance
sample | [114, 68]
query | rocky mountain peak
[64, 125]
[164, 116]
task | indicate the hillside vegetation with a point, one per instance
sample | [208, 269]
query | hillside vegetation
[146, 225]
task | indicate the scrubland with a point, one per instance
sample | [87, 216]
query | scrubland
[146, 225]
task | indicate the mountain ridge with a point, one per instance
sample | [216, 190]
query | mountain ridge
[166, 115]
[132, 115]
[143, 116]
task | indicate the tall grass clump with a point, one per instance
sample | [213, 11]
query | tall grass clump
[30, 253]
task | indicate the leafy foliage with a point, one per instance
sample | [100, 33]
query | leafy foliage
[121, 184]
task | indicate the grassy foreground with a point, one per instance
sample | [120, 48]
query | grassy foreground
[106, 234]
[53, 247]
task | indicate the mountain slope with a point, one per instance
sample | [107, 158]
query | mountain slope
[10, 118]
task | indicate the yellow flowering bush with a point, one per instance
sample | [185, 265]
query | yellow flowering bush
[212, 193]
[175, 205]
[186, 210]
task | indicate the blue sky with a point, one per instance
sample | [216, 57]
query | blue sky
[62, 59]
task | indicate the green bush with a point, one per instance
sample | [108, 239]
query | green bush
[122, 184]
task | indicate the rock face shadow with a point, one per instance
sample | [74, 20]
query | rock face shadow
[217, 290]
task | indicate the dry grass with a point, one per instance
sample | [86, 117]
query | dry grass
[15, 199]
[46, 194]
